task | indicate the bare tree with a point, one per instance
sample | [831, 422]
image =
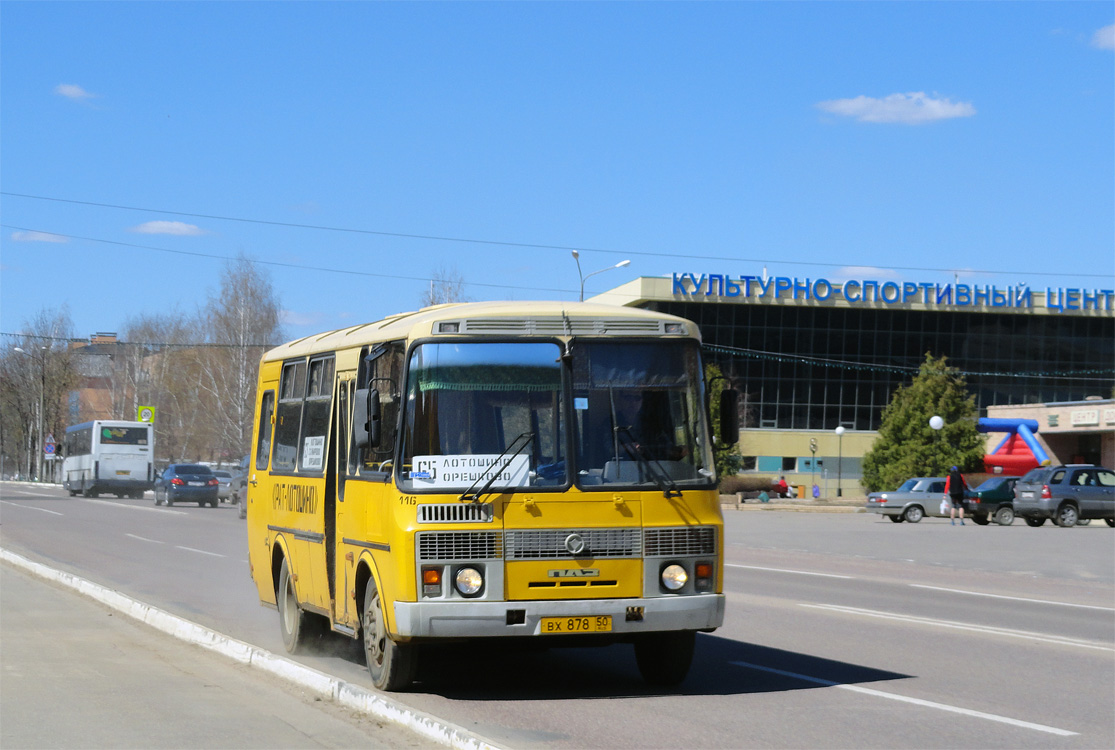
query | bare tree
[447, 285]
[38, 375]
[199, 372]
[159, 370]
[242, 321]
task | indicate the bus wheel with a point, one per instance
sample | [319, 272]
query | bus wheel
[293, 621]
[391, 664]
[664, 658]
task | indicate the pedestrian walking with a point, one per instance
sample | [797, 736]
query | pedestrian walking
[955, 487]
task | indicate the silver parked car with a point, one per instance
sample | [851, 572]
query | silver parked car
[224, 485]
[1068, 494]
[912, 501]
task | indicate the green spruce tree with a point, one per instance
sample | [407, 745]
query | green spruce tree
[908, 446]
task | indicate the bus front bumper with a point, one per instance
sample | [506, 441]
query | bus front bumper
[465, 619]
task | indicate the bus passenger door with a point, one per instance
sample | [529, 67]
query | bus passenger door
[340, 569]
[257, 491]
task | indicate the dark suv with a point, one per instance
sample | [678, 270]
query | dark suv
[1067, 494]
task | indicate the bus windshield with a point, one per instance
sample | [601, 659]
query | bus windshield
[638, 411]
[478, 409]
[468, 402]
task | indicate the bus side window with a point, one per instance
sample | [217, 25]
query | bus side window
[315, 416]
[383, 373]
[344, 416]
[266, 413]
[288, 418]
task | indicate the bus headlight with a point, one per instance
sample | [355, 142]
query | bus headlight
[674, 577]
[469, 581]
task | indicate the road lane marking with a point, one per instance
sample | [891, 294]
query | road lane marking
[199, 551]
[783, 570]
[131, 507]
[914, 701]
[1012, 598]
[145, 539]
[1058, 640]
[32, 507]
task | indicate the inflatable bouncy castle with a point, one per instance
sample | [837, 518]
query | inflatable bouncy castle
[1018, 452]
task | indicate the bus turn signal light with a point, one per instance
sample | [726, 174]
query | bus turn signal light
[704, 576]
[431, 581]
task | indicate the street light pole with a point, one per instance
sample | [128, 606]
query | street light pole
[577, 257]
[839, 459]
[937, 423]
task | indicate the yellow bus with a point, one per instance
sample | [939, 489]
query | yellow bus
[519, 470]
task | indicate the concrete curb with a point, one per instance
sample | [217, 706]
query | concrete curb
[800, 506]
[343, 693]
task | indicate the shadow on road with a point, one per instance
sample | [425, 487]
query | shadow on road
[494, 672]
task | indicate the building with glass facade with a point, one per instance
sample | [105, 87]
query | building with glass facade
[812, 356]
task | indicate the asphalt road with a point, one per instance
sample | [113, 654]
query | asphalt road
[842, 630]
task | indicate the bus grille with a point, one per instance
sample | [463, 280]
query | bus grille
[686, 540]
[550, 544]
[459, 545]
[455, 513]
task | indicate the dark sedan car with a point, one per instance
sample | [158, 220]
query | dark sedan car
[992, 500]
[191, 483]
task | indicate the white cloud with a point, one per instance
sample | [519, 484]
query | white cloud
[38, 237]
[290, 317]
[73, 91]
[859, 273]
[907, 109]
[1104, 38]
[169, 227]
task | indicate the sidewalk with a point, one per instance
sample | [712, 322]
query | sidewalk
[78, 674]
[833, 505]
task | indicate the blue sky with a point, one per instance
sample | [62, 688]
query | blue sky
[892, 140]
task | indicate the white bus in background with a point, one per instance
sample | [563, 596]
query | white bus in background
[109, 456]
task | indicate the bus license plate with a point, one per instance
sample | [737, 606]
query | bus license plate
[565, 625]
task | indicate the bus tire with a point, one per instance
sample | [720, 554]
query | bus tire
[390, 664]
[294, 622]
[664, 658]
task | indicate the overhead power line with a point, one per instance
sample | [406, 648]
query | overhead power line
[841, 364]
[300, 266]
[537, 246]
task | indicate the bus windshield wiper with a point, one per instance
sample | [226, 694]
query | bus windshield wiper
[652, 467]
[510, 452]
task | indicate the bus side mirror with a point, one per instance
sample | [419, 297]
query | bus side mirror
[366, 418]
[729, 417]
